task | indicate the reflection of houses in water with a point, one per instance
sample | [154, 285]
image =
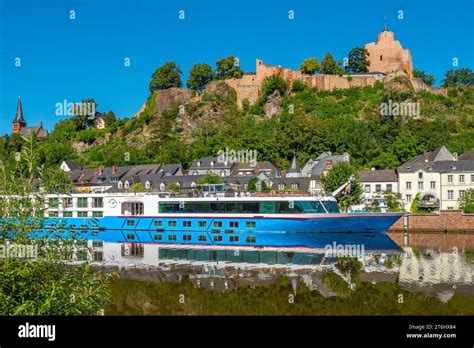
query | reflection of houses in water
[434, 267]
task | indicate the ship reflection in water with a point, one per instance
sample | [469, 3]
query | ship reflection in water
[433, 263]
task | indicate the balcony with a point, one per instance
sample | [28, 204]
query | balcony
[429, 203]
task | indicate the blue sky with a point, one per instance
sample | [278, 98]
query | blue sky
[64, 59]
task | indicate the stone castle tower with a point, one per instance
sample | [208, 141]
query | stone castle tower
[388, 56]
[19, 122]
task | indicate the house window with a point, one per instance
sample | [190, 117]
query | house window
[420, 175]
[202, 238]
[251, 239]
[147, 185]
[127, 184]
[113, 179]
[171, 223]
[222, 173]
[294, 186]
[233, 239]
[98, 256]
[432, 184]
[251, 224]
[389, 188]
[82, 214]
[82, 202]
[408, 198]
[378, 188]
[53, 214]
[120, 185]
[367, 188]
[420, 185]
[450, 178]
[461, 193]
[67, 214]
[380, 57]
[97, 202]
[461, 178]
[217, 238]
[234, 224]
[408, 185]
[172, 237]
[186, 223]
[187, 237]
[157, 237]
[97, 214]
[472, 177]
[97, 243]
[450, 194]
[202, 224]
[281, 187]
[217, 223]
[158, 223]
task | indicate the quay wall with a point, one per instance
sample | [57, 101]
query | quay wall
[444, 221]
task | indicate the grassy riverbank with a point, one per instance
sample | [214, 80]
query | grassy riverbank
[136, 297]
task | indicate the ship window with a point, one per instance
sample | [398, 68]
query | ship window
[267, 207]
[217, 223]
[172, 237]
[202, 238]
[187, 237]
[172, 223]
[331, 206]
[130, 236]
[186, 223]
[251, 239]
[158, 223]
[157, 237]
[234, 224]
[217, 238]
[234, 239]
[202, 223]
[251, 224]
[130, 223]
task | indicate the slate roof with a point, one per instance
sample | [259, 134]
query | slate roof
[453, 166]
[467, 156]
[385, 175]
[426, 160]
[205, 163]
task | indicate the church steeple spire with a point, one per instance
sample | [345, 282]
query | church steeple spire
[19, 121]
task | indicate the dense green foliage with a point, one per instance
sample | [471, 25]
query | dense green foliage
[466, 203]
[199, 76]
[426, 78]
[42, 283]
[227, 68]
[329, 65]
[336, 177]
[166, 76]
[310, 66]
[458, 77]
[358, 61]
[129, 296]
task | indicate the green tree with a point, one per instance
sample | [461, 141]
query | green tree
[227, 68]
[173, 187]
[310, 66]
[329, 65]
[458, 77]
[336, 177]
[426, 78]
[358, 61]
[393, 200]
[271, 84]
[210, 179]
[199, 76]
[466, 203]
[84, 114]
[406, 146]
[166, 76]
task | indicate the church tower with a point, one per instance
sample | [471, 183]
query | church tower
[19, 122]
